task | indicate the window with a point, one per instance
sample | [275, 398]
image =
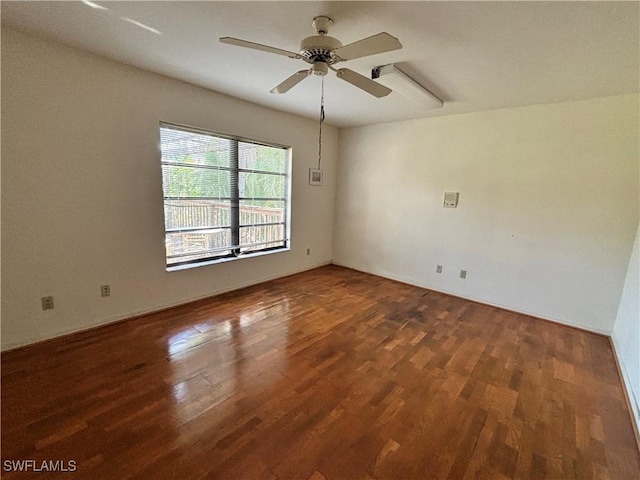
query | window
[223, 197]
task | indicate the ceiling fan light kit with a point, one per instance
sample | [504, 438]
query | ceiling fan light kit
[394, 78]
[320, 68]
[322, 52]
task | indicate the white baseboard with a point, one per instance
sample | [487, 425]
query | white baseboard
[633, 402]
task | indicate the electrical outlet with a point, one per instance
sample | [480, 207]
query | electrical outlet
[308, 251]
[47, 303]
[438, 268]
[463, 274]
[105, 290]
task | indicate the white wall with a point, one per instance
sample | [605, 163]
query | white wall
[82, 192]
[547, 214]
[626, 331]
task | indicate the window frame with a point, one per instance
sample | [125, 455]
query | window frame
[234, 198]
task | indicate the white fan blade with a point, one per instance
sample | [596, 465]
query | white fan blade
[258, 46]
[379, 43]
[291, 82]
[363, 82]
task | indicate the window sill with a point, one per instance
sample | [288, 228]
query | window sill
[225, 260]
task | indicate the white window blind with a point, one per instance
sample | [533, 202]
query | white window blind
[223, 197]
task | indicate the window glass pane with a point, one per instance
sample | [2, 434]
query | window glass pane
[196, 213]
[204, 178]
[195, 182]
[261, 211]
[194, 245]
[261, 185]
[179, 146]
[261, 157]
[258, 238]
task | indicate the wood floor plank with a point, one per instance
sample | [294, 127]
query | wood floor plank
[326, 375]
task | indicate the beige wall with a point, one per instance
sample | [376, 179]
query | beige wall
[82, 193]
[547, 214]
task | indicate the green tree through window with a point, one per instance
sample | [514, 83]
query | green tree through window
[223, 197]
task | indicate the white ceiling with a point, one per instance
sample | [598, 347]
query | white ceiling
[474, 55]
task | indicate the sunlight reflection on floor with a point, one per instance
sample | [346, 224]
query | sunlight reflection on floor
[216, 363]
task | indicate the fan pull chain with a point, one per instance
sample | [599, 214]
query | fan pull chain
[321, 120]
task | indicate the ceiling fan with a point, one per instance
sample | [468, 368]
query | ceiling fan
[323, 51]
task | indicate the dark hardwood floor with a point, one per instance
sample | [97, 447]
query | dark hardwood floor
[329, 374]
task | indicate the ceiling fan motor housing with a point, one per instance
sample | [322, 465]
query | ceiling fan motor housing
[319, 48]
